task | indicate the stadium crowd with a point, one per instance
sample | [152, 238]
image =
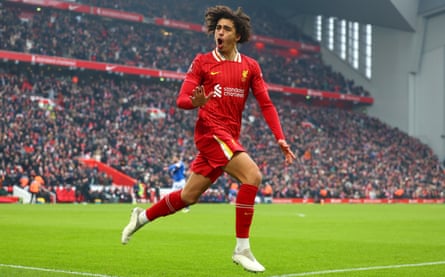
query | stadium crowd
[266, 21]
[53, 116]
[345, 153]
[92, 38]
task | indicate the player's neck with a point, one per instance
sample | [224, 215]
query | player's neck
[229, 55]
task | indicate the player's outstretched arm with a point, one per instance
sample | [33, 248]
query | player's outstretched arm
[285, 148]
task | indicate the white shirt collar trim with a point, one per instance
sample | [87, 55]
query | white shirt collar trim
[220, 57]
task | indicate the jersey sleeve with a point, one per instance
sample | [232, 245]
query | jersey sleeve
[192, 79]
[259, 89]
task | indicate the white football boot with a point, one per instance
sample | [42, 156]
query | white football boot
[246, 259]
[132, 226]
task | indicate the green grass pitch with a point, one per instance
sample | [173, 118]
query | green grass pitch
[290, 241]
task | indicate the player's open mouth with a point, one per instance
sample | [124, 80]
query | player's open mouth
[219, 43]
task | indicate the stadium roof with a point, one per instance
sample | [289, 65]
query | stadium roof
[395, 14]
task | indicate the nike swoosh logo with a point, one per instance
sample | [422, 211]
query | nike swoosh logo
[72, 7]
[214, 72]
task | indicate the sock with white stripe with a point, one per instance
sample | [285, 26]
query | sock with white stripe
[170, 204]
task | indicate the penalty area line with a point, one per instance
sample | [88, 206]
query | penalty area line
[55, 270]
[358, 269]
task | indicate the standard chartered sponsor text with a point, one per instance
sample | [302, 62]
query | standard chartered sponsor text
[234, 92]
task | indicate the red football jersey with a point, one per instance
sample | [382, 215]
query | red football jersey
[231, 82]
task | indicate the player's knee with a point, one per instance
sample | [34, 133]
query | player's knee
[189, 198]
[254, 178]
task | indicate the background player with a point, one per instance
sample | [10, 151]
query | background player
[177, 172]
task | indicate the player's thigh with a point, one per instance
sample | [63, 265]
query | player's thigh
[243, 168]
[194, 187]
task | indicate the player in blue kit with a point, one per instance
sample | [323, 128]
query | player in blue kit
[177, 172]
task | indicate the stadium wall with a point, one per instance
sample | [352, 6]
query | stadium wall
[392, 58]
[430, 85]
[408, 78]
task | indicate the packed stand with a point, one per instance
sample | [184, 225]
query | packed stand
[343, 154]
[267, 22]
[85, 37]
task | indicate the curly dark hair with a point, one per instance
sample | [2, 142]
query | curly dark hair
[239, 18]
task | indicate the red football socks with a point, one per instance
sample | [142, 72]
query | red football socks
[171, 203]
[245, 201]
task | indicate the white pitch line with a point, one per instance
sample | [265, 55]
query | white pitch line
[358, 269]
[55, 270]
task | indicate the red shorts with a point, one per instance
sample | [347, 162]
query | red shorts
[215, 151]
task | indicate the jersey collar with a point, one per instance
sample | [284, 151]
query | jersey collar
[221, 58]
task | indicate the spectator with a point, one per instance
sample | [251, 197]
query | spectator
[34, 189]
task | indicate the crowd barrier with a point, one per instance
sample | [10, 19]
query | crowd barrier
[356, 201]
[9, 199]
[65, 195]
